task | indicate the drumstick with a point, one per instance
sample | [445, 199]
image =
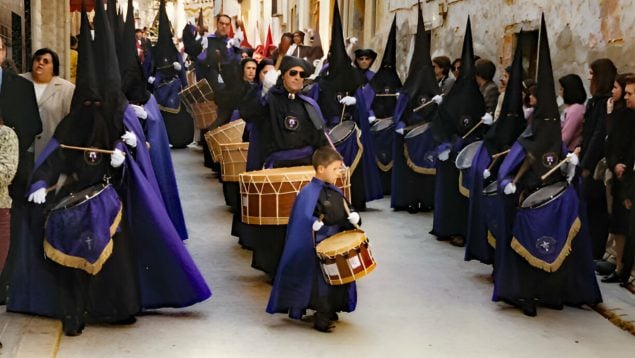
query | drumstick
[523, 169]
[86, 149]
[500, 154]
[473, 129]
[553, 170]
[328, 139]
[343, 111]
[388, 95]
[348, 212]
[423, 105]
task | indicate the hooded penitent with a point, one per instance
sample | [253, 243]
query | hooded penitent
[341, 79]
[133, 83]
[511, 121]
[463, 106]
[164, 52]
[544, 144]
[386, 79]
[421, 85]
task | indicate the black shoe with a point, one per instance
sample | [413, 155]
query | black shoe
[529, 309]
[334, 317]
[458, 241]
[322, 323]
[72, 326]
[413, 208]
[614, 277]
[444, 238]
[604, 267]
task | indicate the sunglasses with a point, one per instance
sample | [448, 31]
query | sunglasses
[294, 73]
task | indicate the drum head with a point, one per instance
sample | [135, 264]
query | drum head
[382, 124]
[74, 199]
[340, 243]
[491, 189]
[342, 131]
[544, 195]
[418, 130]
[465, 157]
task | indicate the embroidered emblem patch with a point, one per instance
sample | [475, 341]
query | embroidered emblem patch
[291, 123]
[546, 244]
[549, 159]
[92, 158]
[466, 121]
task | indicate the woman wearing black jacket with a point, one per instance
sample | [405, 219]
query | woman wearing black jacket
[602, 74]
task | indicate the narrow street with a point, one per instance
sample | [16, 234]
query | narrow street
[423, 300]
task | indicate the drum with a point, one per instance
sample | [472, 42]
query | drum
[343, 131]
[466, 155]
[418, 130]
[199, 101]
[382, 135]
[231, 132]
[345, 257]
[544, 195]
[234, 160]
[382, 124]
[346, 138]
[491, 189]
[420, 149]
[76, 237]
[267, 195]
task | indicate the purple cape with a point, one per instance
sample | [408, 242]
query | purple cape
[163, 167]
[298, 267]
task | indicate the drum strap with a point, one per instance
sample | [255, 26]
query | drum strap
[314, 116]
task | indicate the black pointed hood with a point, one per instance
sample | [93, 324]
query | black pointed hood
[341, 78]
[544, 143]
[86, 84]
[386, 80]
[83, 125]
[421, 84]
[133, 83]
[165, 52]
[463, 106]
[108, 73]
[511, 120]
[386, 77]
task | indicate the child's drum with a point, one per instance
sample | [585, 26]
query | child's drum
[345, 257]
[231, 132]
[267, 195]
[234, 160]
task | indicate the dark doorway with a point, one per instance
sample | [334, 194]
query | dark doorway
[530, 52]
[16, 41]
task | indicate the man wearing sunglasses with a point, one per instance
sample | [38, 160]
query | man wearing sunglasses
[290, 125]
[286, 128]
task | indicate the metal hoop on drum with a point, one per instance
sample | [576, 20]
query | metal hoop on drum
[466, 155]
[544, 195]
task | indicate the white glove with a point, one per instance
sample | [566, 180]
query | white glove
[438, 99]
[371, 119]
[487, 119]
[353, 40]
[270, 80]
[397, 95]
[116, 158]
[573, 159]
[348, 101]
[445, 155]
[510, 188]
[400, 131]
[235, 42]
[353, 218]
[151, 79]
[130, 139]
[139, 111]
[486, 174]
[176, 65]
[317, 225]
[38, 196]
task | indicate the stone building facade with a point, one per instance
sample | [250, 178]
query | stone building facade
[580, 31]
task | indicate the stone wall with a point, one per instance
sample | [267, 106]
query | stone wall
[579, 31]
